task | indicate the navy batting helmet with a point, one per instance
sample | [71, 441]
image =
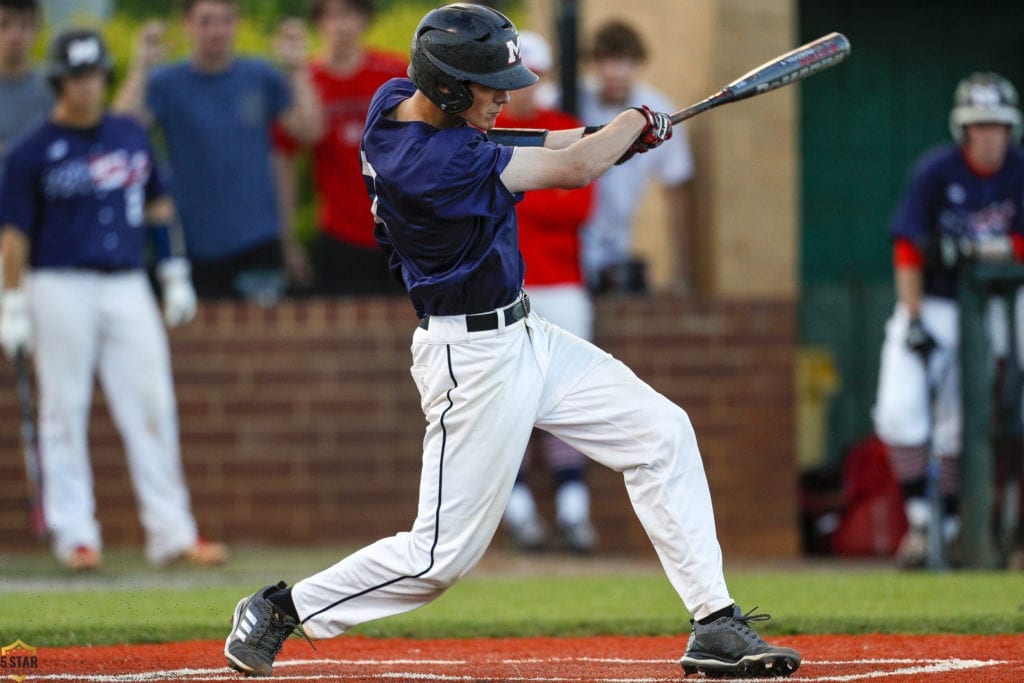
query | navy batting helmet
[462, 43]
[76, 51]
[985, 98]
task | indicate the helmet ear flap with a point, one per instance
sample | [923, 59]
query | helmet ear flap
[429, 77]
[458, 98]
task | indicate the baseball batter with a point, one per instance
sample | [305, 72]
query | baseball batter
[488, 371]
[967, 194]
[76, 195]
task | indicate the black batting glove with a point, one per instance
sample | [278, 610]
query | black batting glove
[657, 131]
[919, 340]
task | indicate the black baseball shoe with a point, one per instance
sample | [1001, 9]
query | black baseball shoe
[728, 647]
[258, 630]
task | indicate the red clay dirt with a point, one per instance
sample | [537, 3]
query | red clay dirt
[612, 659]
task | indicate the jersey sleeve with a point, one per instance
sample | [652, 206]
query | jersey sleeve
[1017, 226]
[18, 205]
[912, 220]
[470, 184]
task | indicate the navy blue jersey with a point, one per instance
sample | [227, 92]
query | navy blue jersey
[946, 197]
[80, 194]
[443, 217]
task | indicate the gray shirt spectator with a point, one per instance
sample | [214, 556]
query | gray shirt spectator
[24, 92]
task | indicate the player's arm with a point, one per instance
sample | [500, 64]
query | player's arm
[578, 162]
[910, 288]
[173, 269]
[14, 245]
[15, 319]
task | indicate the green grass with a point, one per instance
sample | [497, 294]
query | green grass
[128, 602]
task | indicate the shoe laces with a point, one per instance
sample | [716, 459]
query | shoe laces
[271, 640]
[744, 621]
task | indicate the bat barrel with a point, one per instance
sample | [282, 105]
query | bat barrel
[793, 66]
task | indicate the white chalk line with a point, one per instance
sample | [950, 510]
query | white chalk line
[909, 667]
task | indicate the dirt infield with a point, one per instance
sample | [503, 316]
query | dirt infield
[925, 659]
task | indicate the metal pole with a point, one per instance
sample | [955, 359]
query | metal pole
[567, 32]
[976, 462]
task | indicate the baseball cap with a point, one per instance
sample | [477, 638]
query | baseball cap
[535, 52]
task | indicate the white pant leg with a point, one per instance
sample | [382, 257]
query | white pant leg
[135, 371]
[479, 394]
[901, 414]
[599, 406]
[64, 311]
[568, 306]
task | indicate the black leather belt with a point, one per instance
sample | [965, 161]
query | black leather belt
[481, 322]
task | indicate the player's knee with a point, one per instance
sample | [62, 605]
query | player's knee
[673, 426]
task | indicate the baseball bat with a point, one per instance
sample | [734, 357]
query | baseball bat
[935, 554]
[30, 445]
[793, 66]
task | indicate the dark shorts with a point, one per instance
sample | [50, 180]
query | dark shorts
[256, 274]
[347, 269]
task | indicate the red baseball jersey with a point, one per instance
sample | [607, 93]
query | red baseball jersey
[550, 220]
[343, 207]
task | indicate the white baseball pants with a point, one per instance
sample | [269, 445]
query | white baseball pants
[568, 306]
[482, 393]
[85, 321]
[901, 407]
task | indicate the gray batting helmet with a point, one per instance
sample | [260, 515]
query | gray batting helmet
[462, 43]
[985, 98]
[76, 51]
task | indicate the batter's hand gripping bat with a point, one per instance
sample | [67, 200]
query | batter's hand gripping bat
[30, 445]
[793, 66]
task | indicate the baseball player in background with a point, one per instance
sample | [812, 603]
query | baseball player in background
[78, 192]
[549, 238]
[962, 196]
[444, 187]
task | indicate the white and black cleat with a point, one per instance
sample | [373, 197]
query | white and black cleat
[729, 648]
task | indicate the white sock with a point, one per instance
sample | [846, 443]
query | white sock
[918, 512]
[572, 503]
[521, 508]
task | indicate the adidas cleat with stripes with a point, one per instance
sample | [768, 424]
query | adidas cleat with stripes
[258, 630]
[728, 647]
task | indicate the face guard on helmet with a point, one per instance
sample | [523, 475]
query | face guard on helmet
[77, 51]
[985, 98]
[462, 43]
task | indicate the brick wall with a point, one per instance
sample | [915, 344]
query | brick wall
[301, 424]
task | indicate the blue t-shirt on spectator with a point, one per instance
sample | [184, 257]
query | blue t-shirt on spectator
[217, 130]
